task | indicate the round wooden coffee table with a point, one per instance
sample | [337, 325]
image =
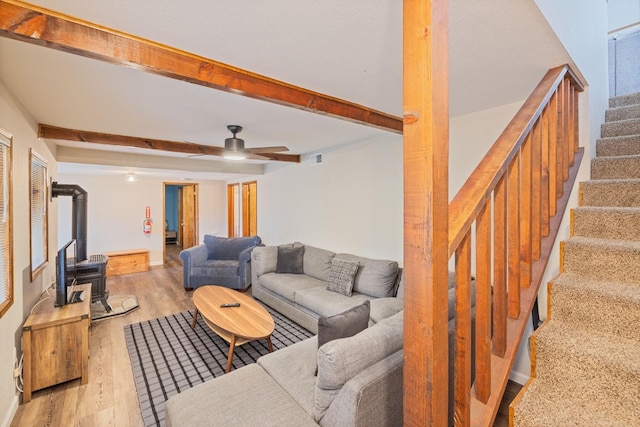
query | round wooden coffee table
[236, 325]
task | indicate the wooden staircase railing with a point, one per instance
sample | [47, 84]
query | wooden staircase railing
[505, 218]
[510, 198]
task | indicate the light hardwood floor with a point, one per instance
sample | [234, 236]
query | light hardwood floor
[109, 399]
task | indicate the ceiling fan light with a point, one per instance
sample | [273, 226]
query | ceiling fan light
[234, 147]
[234, 155]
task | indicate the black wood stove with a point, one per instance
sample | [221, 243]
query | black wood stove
[92, 269]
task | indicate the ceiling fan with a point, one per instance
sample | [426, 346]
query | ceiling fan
[234, 148]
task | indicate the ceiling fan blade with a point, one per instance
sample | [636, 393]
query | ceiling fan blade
[261, 150]
[203, 150]
[253, 156]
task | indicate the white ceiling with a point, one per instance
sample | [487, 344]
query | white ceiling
[347, 49]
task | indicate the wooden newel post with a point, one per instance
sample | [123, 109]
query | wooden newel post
[426, 152]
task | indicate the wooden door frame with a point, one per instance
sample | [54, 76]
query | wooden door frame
[249, 215]
[231, 211]
[245, 214]
[164, 207]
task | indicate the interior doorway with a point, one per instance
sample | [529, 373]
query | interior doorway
[180, 211]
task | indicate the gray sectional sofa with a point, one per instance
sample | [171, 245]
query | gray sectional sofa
[358, 383]
[304, 297]
[354, 381]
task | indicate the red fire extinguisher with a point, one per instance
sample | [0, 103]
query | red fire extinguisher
[146, 224]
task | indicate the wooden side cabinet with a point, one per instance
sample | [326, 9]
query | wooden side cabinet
[55, 344]
[125, 262]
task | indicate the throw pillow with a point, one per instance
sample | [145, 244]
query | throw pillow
[343, 325]
[341, 276]
[290, 259]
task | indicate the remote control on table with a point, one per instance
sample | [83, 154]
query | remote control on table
[231, 304]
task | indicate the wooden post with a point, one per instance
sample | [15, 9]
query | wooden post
[426, 152]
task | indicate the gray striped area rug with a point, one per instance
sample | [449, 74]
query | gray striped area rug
[168, 357]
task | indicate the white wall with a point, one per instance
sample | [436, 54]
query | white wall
[623, 13]
[26, 292]
[352, 202]
[587, 45]
[116, 210]
[471, 136]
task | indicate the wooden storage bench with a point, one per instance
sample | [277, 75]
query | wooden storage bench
[125, 262]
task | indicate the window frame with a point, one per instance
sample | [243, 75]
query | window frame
[38, 210]
[6, 217]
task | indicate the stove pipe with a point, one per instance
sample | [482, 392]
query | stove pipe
[79, 215]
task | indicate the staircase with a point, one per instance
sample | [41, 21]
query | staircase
[586, 357]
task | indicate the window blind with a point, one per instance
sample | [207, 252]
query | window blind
[39, 247]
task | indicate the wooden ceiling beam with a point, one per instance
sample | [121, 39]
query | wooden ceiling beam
[54, 132]
[35, 25]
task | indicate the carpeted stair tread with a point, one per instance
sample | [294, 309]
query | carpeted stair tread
[623, 100]
[610, 192]
[622, 113]
[620, 127]
[626, 99]
[616, 167]
[606, 307]
[605, 259]
[618, 146]
[598, 365]
[547, 404]
[606, 222]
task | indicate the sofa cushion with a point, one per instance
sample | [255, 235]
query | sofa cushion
[342, 359]
[376, 278]
[228, 248]
[381, 308]
[264, 259]
[343, 325]
[286, 285]
[242, 396]
[289, 260]
[326, 303]
[341, 276]
[317, 262]
[216, 268]
[293, 368]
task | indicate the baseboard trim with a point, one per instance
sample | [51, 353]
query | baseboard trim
[519, 377]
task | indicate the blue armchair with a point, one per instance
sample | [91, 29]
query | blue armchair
[219, 261]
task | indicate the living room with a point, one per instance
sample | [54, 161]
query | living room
[352, 202]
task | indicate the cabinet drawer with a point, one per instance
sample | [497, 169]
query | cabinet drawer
[125, 262]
